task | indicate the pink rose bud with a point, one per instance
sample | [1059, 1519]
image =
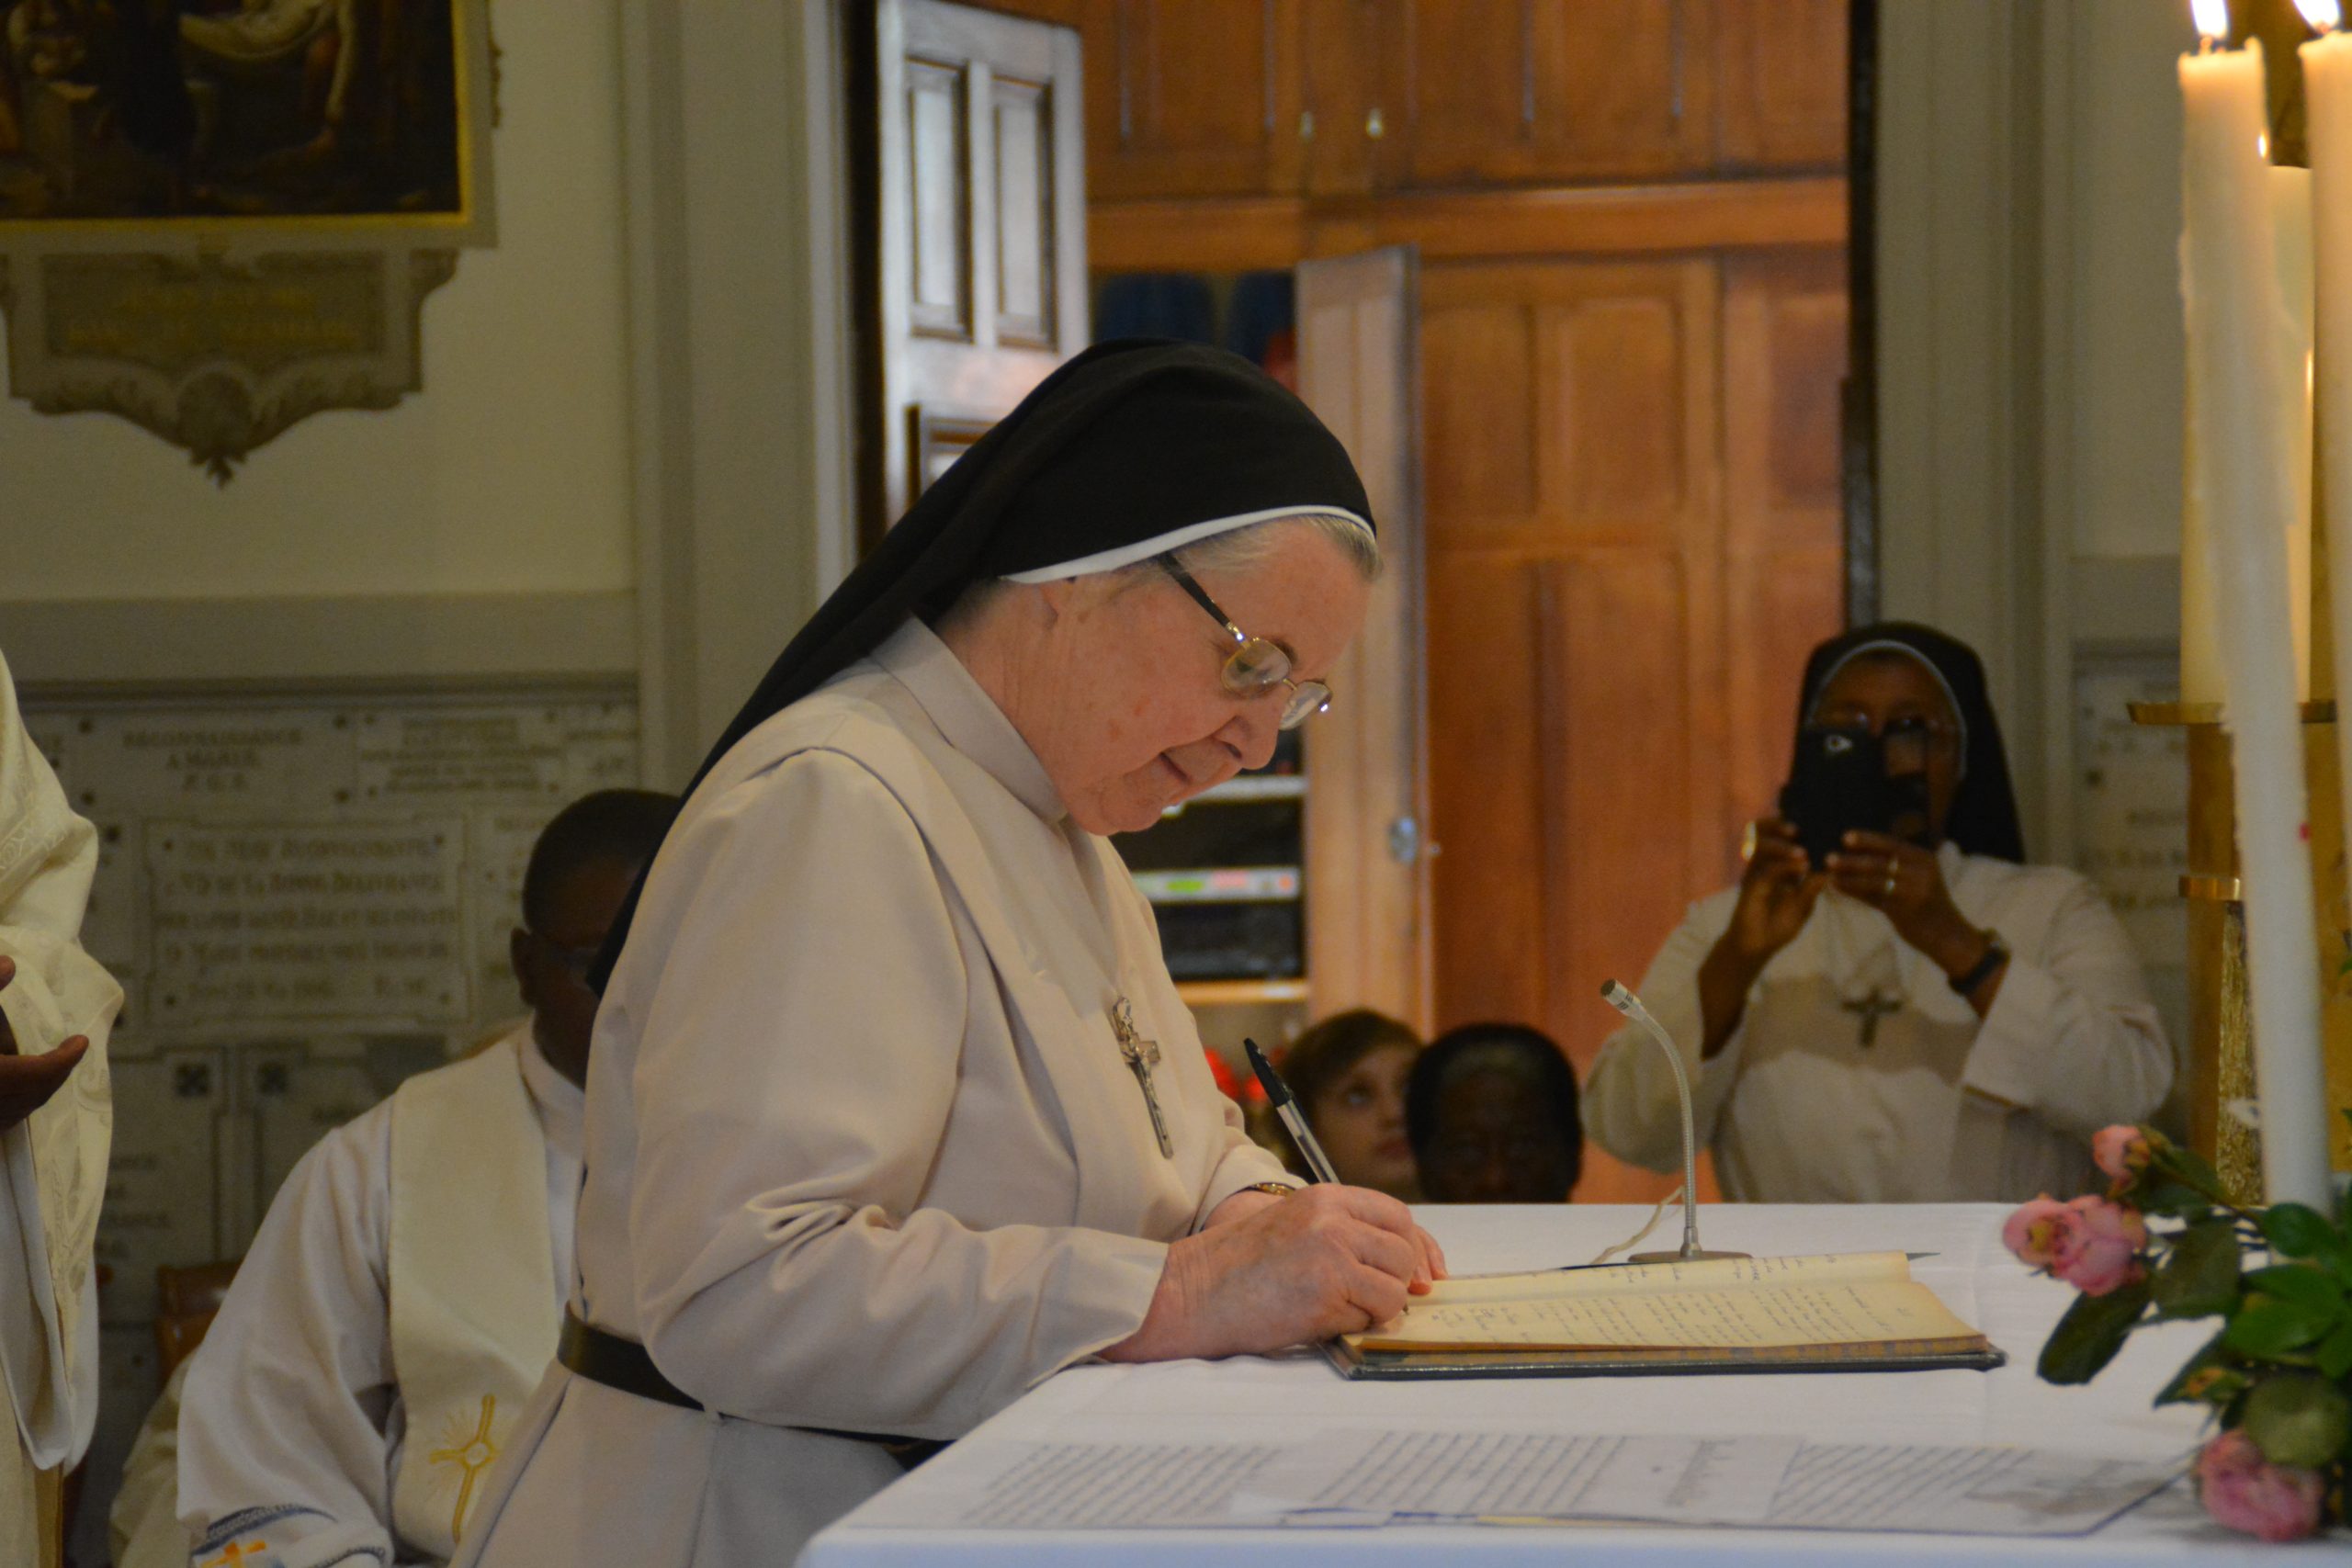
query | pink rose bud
[2246, 1491]
[2097, 1248]
[2032, 1232]
[2122, 1152]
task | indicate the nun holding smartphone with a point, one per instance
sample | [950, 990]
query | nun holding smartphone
[1890, 1006]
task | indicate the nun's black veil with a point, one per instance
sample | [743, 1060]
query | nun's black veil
[1984, 815]
[1128, 442]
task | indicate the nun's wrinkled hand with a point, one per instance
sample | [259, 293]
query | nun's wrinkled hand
[1328, 1259]
[1906, 884]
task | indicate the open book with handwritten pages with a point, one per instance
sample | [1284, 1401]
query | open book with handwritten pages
[1838, 1313]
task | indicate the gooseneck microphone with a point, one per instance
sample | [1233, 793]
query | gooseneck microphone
[1624, 1001]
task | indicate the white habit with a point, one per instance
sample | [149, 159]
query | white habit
[385, 1331]
[862, 1150]
[1939, 1106]
[52, 1165]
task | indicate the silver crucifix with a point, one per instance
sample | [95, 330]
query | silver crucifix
[1141, 1057]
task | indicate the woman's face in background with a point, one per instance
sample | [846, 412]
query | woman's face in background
[1359, 1120]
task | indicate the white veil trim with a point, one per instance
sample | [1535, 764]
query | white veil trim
[1176, 538]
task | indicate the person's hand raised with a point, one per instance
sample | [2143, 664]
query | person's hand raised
[1777, 894]
[1905, 883]
[26, 1082]
[1326, 1260]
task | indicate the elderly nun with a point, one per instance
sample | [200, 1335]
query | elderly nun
[1923, 1017]
[893, 1108]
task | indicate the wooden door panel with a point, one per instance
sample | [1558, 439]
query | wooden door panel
[1367, 804]
[1488, 812]
[1616, 706]
[979, 257]
[1611, 398]
[1546, 91]
[1480, 397]
[1785, 356]
[1571, 400]
[938, 151]
[1781, 83]
[1025, 219]
[1192, 97]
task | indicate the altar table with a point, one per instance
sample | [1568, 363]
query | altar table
[1288, 1400]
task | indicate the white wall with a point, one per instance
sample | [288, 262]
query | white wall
[509, 473]
[2030, 363]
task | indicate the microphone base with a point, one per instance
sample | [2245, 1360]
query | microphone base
[1699, 1256]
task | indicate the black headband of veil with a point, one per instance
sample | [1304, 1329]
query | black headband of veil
[1984, 815]
[1131, 447]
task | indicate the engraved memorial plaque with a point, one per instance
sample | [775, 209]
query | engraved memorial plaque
[331, 919]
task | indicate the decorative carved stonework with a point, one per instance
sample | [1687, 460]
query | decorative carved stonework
[213, 357]
[242, 234]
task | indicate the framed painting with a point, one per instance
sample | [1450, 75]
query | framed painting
[309, 119]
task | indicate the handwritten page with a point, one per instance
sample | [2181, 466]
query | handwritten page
[1838, 1312]
[1640, 1278]
[1399, 1476]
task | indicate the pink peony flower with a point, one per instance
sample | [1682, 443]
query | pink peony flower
[2032, 1232]
[2246, 1491]
[2095, 1246]
[2122, 1152]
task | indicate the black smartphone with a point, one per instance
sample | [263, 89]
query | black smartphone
[1837, 785]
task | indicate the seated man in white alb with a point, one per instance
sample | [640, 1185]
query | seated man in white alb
[403, 1297]
[1922, 1017]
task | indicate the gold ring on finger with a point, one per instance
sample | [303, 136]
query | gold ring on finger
[1747, 844]
[1890, 882]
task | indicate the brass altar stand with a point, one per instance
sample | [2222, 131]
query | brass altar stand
[2221, 1036]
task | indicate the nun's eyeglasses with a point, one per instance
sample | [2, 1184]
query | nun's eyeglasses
[1255, 667]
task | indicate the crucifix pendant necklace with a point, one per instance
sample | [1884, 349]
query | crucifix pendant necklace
[1141, 1057]
[1871, 1008]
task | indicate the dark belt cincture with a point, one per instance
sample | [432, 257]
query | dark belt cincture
[623, 1364]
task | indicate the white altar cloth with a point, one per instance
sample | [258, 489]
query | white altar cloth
[1290, 1400]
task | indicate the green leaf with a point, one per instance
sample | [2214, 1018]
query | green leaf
[2269, 1327]
[2188, 1167]
[2090, 1334]
[2203, 1378]
[2317, 1289]
[2299, 1232]
[2299, 1419]
[2174, 1198]
[2200, 1278]
[2336, 1351]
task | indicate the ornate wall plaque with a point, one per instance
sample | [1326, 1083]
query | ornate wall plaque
[215, 220]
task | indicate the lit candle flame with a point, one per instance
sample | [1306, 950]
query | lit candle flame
[2212, 18]
[2324, 16]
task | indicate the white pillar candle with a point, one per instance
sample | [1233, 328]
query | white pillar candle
[2201, 659]
[2233, 304]
[2291, 397]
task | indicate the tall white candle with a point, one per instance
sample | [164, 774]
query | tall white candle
[2289, 401]
[2327, 99]
[2291, 396]
[2230, 290]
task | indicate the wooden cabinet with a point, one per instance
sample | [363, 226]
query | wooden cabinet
[1779, 68]
[1194, 98]
[1544, 92]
